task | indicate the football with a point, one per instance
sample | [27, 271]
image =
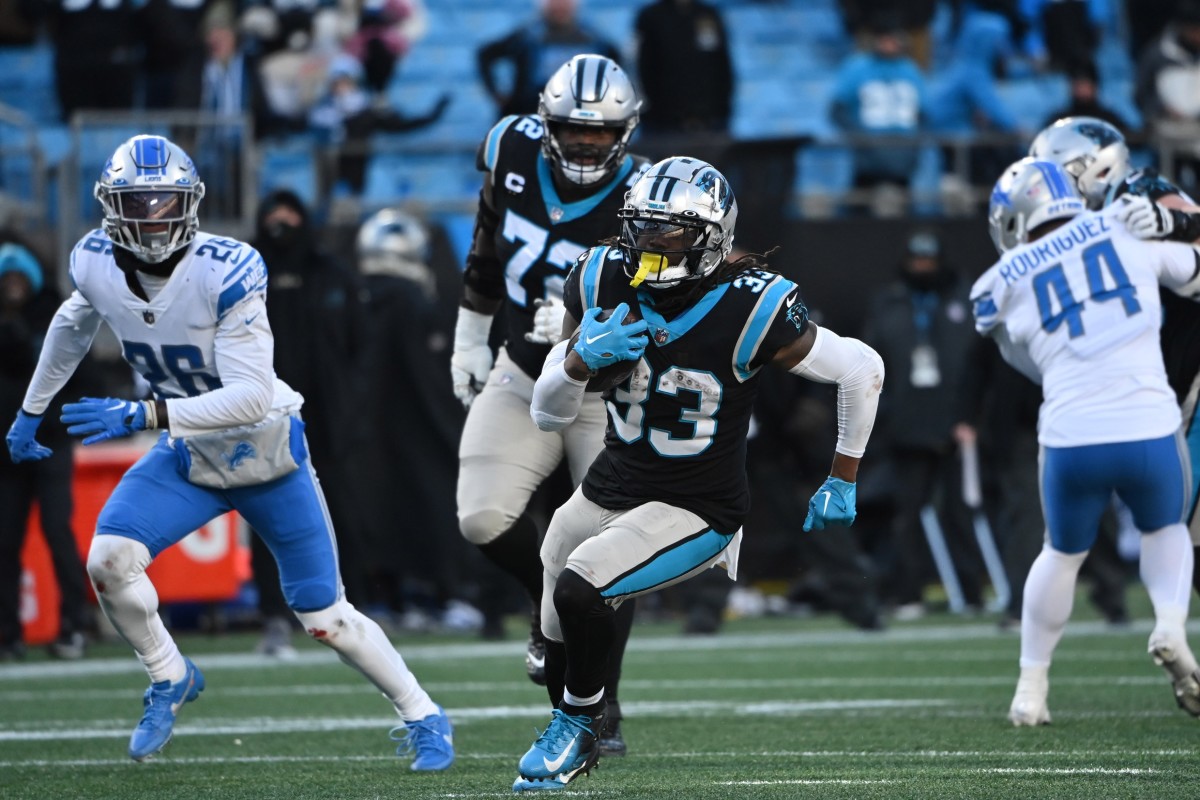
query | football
[614, 374]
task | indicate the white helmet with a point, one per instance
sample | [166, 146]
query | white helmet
[1091, 151]
[1028, 194]
[591, 91]
[150, 194]
[678, 222]
[393, 242]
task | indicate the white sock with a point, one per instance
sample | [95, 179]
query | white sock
[360, 642]
[117, 568]
[580, 702]
[1166, 570]
[1049, 596]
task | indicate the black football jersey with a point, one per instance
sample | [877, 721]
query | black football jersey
[1180, 334]
[538, 236]
[677, 426]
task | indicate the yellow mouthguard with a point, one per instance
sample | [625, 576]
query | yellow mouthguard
[649, 262]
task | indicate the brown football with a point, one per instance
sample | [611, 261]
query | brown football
[614, 374]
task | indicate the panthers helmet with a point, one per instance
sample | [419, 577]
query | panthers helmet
[677, 223]
[394, 242]
[590, 91]
[1092, 152]
[1028, 194]
[150, 193]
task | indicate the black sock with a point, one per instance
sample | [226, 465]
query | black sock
[1196, 569]
[588, 628]
[556, 671]
[516, 552]
[623, 624]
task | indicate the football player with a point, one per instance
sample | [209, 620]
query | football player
[1096, 159]
[189, 310]
[1074, 304]
[552, 186]
[666, 498]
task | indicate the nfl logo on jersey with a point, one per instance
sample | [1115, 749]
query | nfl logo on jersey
[660, 335]
[148, 316]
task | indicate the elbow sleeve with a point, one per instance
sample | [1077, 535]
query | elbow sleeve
[858, 372]
[556, 395]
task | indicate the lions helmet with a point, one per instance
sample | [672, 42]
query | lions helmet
[150, 193]
[393, 242]
[677, 223]
[1091, 151]
[1028, 194]
[593, 92]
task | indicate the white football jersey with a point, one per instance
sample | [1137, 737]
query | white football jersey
[202, 342]
[1080, 306]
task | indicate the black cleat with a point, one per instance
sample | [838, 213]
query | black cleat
[610, 742]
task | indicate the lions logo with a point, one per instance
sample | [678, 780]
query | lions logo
[242, 451]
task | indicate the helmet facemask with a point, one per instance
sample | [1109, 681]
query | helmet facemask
[584, 163]
[152, 224]
[660, 253]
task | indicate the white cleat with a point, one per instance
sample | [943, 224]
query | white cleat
[1029, 702]
[1174, 656]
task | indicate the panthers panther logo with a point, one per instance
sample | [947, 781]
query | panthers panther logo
[242, 451]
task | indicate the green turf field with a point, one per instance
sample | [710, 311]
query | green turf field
[769, 708]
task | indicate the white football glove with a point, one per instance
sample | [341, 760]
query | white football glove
[1145, 218]
[472, 358]
[547, 321]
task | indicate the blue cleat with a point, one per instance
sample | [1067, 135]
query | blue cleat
[432, 739]
[567, 748]
[162, 702]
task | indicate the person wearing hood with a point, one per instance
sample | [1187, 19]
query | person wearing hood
[27, 304]
[920, 324]
[312, 311]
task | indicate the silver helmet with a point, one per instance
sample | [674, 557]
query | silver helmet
[590, 91]
[677, 223]
[395, 243]
[150, 193]
[1091, 151]
[1028, 194]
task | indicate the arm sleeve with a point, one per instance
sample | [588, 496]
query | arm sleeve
[244, 352]
[67, 341]
[858, 372]
[556, 395]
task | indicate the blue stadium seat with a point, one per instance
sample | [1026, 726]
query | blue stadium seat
[433, 179]
[27, 81]
[289, 165]
[1033, 99]
[824, 169]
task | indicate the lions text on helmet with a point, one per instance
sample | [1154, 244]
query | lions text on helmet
[151, 194]
[1029, 193]
[590, 109]
[677, 223]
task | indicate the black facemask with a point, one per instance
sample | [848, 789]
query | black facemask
[281, 234]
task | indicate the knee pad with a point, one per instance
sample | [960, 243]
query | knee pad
[575, 597]
[331, 626]
[115, 560]
[482, 527]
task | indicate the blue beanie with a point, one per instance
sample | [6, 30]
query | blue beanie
[15, 258]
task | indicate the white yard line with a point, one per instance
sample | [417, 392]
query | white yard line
[637, 646]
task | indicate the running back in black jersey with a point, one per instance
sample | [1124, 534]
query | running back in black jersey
[1180, 334]
[677, 428]
[538, 237]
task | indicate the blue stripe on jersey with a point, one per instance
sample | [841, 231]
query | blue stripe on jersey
[239, 270]
[232, 295]
[590, 279]
[669, 565]
[580, 208]
[758, 325]
[1193, 461]
[685, 321]
[491, 147]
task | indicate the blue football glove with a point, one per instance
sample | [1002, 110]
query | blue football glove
[104, 418]
[833, 504]
[21, 444]
[606, 342]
